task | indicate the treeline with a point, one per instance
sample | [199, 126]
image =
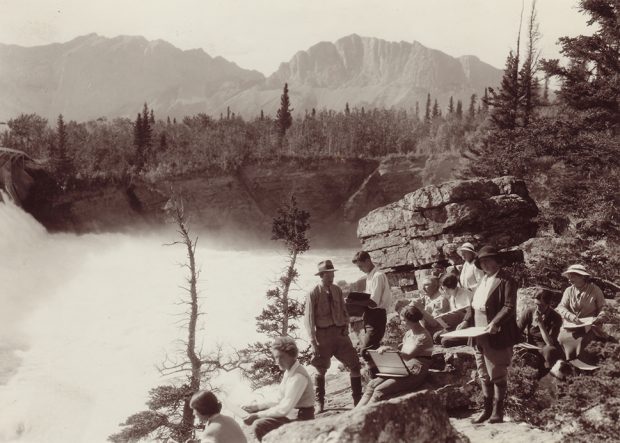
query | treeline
[568, 152]
[102, 150]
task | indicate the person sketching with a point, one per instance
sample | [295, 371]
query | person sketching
[296, 401]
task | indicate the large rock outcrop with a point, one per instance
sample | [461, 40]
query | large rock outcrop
[424, 225]
[419, 417]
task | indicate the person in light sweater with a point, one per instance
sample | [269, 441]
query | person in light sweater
[296, 393]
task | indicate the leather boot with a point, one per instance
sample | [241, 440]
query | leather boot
[498, 404]
[356, 389]
[487, 392]
[319, 391]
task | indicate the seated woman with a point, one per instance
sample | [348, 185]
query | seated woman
[541, 325]
[458, 298]
[431, 304]
[219, 428]
[580, 300]
[416, 351]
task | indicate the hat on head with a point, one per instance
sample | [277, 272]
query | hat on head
[576, 269]
[485, 252]
[326, 266]
[466, 247]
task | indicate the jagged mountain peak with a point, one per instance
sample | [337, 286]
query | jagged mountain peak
[93, 76]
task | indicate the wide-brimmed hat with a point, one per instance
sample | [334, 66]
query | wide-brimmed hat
[485, 252]
[576, 269]
[326, 266]
[466, 247]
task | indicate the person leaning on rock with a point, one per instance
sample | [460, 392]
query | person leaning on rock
[295, 393]
[327, 323]
[493, 307]
[580, 300]
[375, 318]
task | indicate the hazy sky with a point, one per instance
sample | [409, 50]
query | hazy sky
[260, 34]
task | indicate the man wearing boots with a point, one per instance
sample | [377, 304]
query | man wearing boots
[375, 318]
[493, 307]
[327, 323]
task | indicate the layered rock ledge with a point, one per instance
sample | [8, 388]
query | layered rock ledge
[426, 225]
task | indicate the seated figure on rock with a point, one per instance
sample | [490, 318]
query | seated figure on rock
[296, 393]
[582, 301]
[459, 299]
[415, 350]
[431, 304]
[541, 325]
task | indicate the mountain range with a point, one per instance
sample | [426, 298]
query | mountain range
[93, 76]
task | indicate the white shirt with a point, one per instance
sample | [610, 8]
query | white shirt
[484, 289]
[470, 276]
[459, 298]
[291, 389]
[378, 286]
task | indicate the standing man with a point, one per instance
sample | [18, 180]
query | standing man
[295, 403]
[327, 323]
[470, 275]
[375, 318]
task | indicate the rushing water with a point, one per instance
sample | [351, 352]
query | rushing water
[84, 320]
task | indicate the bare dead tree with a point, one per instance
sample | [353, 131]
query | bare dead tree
[169, 414]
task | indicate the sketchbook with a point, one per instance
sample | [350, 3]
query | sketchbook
[586, 321]
[389, 364]
[582, 365]
[528, 346]
[451, 319]
[475, 331]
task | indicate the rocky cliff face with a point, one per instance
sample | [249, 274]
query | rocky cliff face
[93, 76]
[424, 225]
[336, 193]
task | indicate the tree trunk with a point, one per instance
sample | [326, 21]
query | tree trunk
[285, 290]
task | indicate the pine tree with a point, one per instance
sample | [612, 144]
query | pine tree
[284, 119]
[63, 163]
[347, 111]
[417, 111]
[590, 82]
[451, 106]
[435, 110]
[152, 117]
[262, 115]
[427, 114]
[290, 227]
[459, 109]
[527, 75]
[472, 107]
[505, 102]
[485, 100]
[147, 130]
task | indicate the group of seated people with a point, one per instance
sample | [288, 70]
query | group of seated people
[480, 294]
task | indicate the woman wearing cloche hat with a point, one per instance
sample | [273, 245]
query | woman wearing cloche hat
[581, 299]
[494, 307]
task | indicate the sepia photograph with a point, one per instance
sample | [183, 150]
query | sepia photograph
[353, 221]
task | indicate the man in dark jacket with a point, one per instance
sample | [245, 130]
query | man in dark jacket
[541, 326]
